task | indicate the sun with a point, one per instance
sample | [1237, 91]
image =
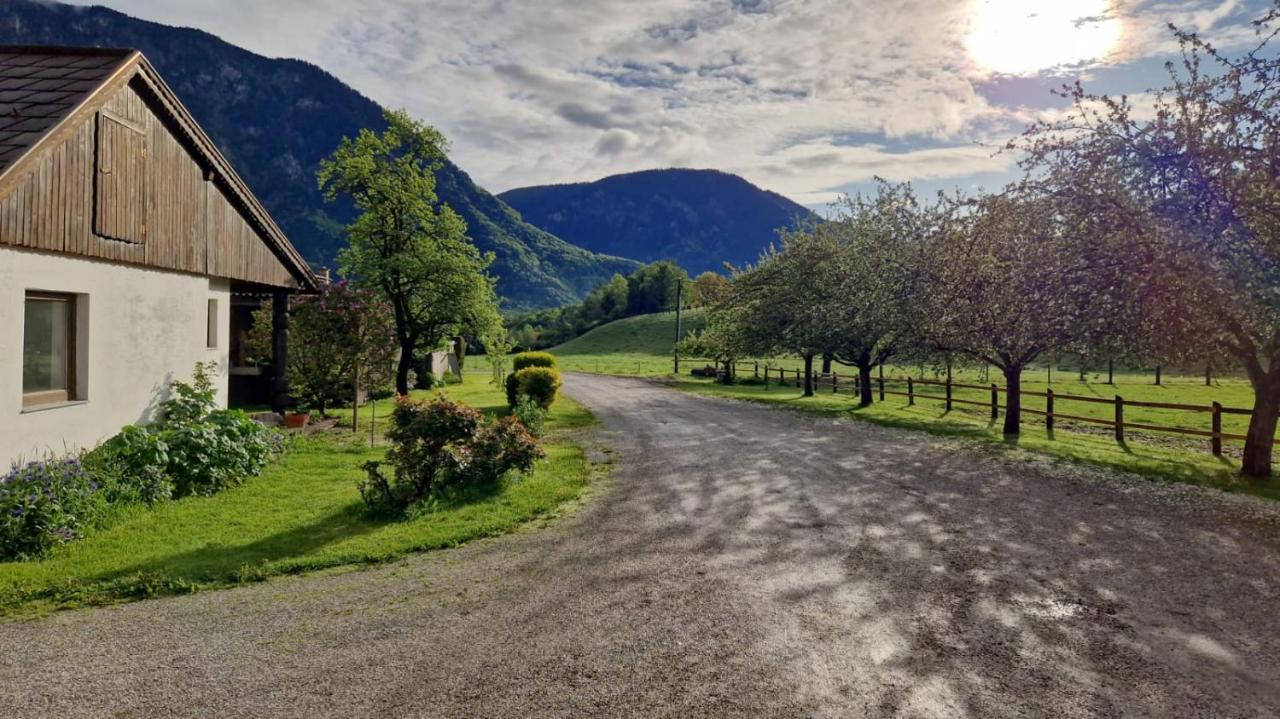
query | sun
[1022, 37]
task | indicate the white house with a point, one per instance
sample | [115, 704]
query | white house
[124, 236]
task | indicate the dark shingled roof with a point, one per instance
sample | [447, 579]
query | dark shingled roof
[39, 86]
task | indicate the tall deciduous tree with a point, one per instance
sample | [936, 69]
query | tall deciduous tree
[1016, 276]
[406, 244]
[784, 302]
[881, 239]
[1203, 164]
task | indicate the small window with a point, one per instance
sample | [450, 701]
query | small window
[48, 349]
[211, 325]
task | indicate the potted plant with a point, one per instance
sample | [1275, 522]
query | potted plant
[296, 420]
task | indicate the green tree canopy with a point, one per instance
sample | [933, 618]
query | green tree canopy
[405, 243]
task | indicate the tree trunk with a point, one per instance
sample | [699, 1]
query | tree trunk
[1013, 400]
[808, 375]
[826, 364]
[864, 384]
[403, 366]
[1262, 429]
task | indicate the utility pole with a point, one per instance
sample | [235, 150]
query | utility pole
[679, 325]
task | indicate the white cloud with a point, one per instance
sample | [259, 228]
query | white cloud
[565, 90]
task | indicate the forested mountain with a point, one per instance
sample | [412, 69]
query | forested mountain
[275, 119]
[699, 218]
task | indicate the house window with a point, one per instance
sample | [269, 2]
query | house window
[48, 349]
[211, 325]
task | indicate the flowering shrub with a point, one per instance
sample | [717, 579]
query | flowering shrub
[45, 503]
[439, 443]
[338, 336]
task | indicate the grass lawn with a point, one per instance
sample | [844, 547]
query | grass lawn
[302, 514]
[642, 347]
[1151, 455]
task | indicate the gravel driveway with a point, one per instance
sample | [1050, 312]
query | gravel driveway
[743, 561]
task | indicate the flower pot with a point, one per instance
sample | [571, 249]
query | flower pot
[294, 420]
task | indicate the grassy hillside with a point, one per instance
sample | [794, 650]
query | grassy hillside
[640, 345]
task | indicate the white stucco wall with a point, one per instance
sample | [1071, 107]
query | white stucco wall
[138, 329]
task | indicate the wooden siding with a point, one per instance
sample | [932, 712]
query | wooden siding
[120, 197]
[189, 224]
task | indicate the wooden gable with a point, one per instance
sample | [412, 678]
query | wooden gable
[124, 179]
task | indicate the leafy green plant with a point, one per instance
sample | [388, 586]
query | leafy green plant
[131, 467]
[439, 444]
[45, 503]
[541, 384]
[530, 414]
[194, 448]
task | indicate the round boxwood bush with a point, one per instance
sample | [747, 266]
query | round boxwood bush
[532, 359]
[540, 384]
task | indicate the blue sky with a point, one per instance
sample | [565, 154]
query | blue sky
[810, 98]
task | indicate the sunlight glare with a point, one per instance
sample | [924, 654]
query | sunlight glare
[1021, 37]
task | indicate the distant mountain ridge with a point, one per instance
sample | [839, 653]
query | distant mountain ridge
[275, 119]
[699, 218]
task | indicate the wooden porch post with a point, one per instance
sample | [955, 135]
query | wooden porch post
[280, 350]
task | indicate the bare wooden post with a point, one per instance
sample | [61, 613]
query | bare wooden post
[1157, 375]
[911, 392]
[1119, 418]
[756, 372]
[835, 383]
[995, 401]
[948, 393]
[1216, 442]
[1208, 375]
[881, 384]
[280, 351]
[1048, 409]
[797, 378]
[1111, 372]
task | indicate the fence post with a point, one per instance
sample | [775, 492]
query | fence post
[948, 393]
[995, 401]
[1157, 375]
[1119, 418]
[911, 392]
[1216, 442]
[1208, 375]
[797, 377]
[882, 384]
[756, 371]
[1048, 409]
[1111, 371]
[835, 383]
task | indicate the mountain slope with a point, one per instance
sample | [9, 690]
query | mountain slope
[276, 119]
[699, 218]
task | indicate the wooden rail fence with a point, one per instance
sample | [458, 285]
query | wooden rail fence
[1118, 423]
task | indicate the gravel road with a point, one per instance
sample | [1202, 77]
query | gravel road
[742, 561]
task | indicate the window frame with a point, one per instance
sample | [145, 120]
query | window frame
[211, 334]
[68, 394]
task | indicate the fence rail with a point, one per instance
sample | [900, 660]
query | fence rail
[852, 384]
